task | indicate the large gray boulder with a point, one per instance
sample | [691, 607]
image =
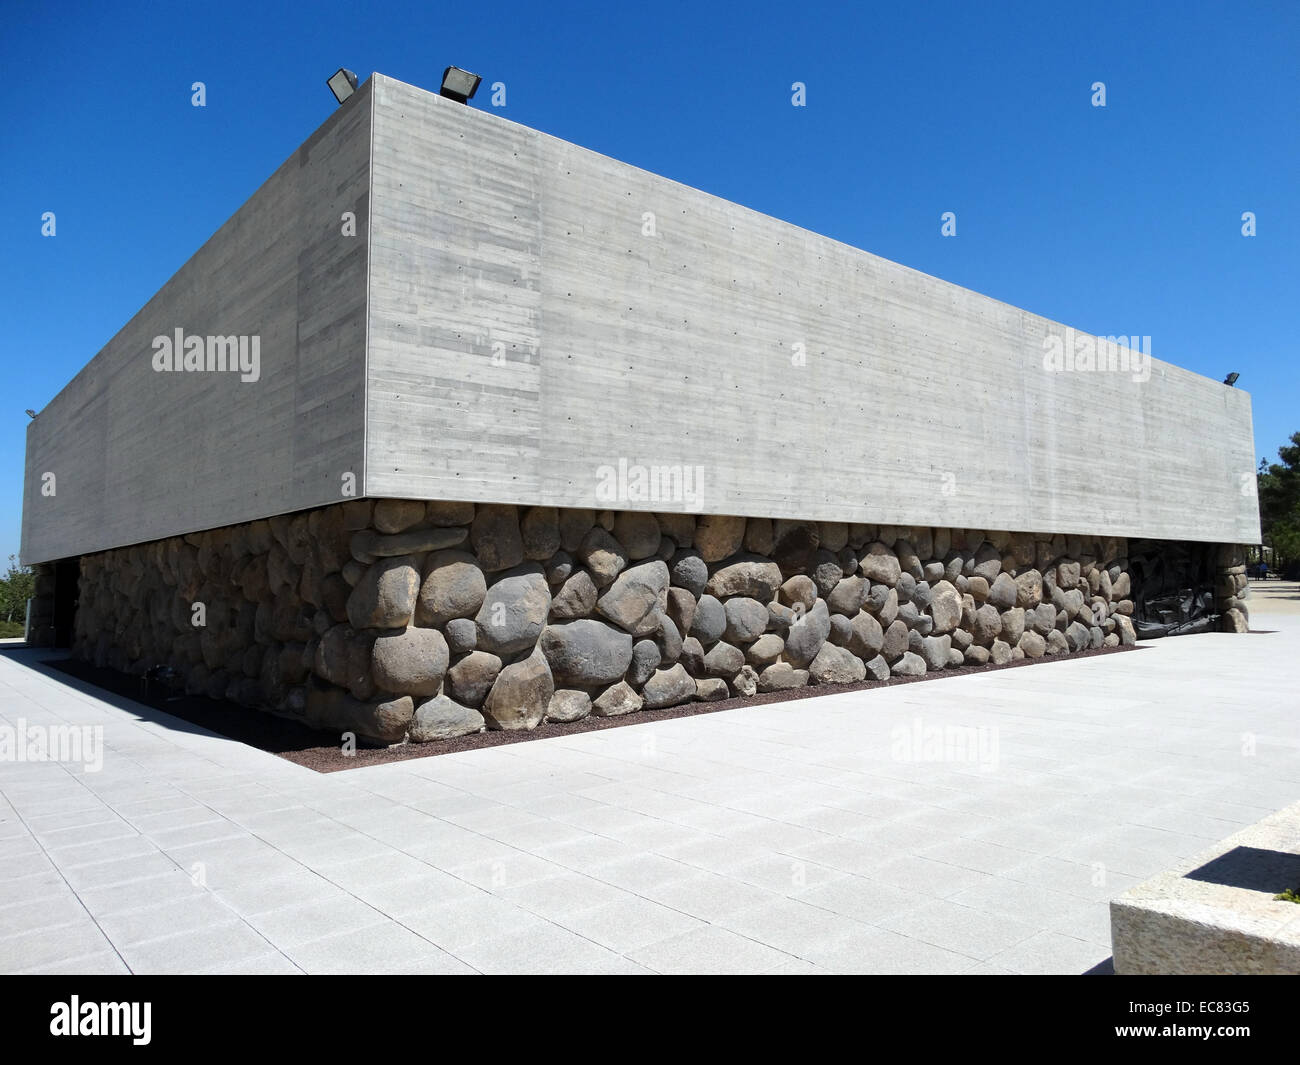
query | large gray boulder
[410, 662]
[895, 642]
[945, 607]
[646, 657]
[513, 613]
[781, 676]
[342, 657]
[384, 597]
[1042, 619]
[806, 636]
[559, 567]
[442, 718]
[1029, 589]
[576, 598]
[765, 650]
[462, 635]
[848, 595]
[540, 532]
[568, 705]
[687, 570]
[875, 600]
[1003, 592]
[453, 587]
[636, 598]
[799, 592]
[746, 620]
[988, 623]
[521, 694]
[380, 721]
[825, 571]
[367, 545]
[910, 665]
[616, 701]
[866, 637]
[836, 665]
[718, 536]
[1032, 644]
[603, 556]
[586, 652]
[723, 660]
[397, 515]
[638, 532]
[668, 687]
[710, 620]
[668, 638]
[470, 679]
[692, 656]
[880, 564]
[841, 630]
[908, 558]
[878, 668]
[1077, 636]
[934, 650]
[496, 537]
[988, 563]
[1013, 625]
[1067, 573]
[748, 575]
[1127, 633]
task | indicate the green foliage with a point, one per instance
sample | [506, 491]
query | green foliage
[15, 589]
[1279, 502]
[1289, 895]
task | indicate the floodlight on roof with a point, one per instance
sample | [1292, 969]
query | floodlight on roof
[459, 85]
[342, 83]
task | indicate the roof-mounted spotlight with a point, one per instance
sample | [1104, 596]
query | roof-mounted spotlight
[1231, 379]
[342, 83]
[459, 85]
[31, 413]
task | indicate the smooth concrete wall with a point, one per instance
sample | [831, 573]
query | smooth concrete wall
[524, 333]
[139, 455]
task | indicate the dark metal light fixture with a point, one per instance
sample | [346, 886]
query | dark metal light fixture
[1231, 379]
[342, 83]
[31, 413]
[459, 85]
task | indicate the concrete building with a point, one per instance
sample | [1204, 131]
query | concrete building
[523, 349]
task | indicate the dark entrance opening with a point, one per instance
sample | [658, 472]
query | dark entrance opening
[67, 574]
[1173, 587]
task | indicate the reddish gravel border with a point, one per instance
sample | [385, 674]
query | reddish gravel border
[319, 750]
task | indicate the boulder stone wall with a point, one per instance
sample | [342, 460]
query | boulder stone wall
[401, 620]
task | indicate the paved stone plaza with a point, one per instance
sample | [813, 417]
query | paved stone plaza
[974, 824]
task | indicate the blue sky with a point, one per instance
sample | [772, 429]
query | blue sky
[1123, 220]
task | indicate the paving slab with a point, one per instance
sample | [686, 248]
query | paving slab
[788, 837]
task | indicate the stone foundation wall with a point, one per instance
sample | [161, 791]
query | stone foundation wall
[401, 620]
[40, 627]
[1232, 588]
